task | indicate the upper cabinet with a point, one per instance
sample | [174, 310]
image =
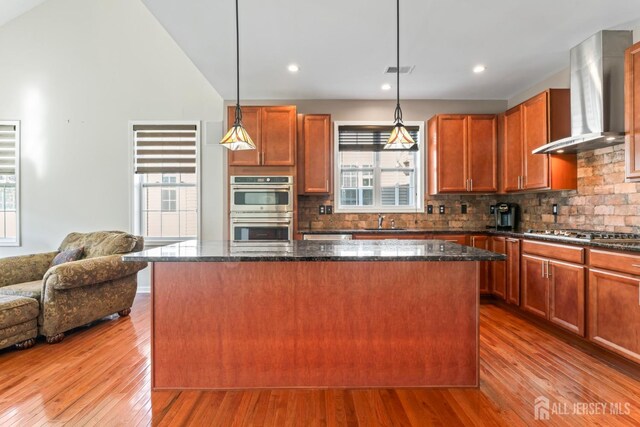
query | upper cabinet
[462, 153]
[535, 122]
[315, 154]
[632, 110]
[273, 130]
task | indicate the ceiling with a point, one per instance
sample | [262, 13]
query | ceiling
[11, 9]
[343, 47]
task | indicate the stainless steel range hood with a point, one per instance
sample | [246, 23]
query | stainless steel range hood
[597, 94]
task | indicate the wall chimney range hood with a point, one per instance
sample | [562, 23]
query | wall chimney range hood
[597, 94]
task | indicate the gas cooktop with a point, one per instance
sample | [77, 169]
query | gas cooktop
[587, 236]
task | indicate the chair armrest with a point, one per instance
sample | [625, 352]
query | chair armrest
[90, 271]
[25, 268]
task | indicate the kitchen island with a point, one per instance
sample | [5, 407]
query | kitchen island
[314, 314]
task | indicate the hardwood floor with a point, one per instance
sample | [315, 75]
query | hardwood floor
[100, 376]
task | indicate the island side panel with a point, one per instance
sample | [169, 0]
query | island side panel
[315, 324]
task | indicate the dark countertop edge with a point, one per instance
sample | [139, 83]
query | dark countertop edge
[491, 232]
[373, 258]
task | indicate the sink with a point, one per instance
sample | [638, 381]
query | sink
[385, 229]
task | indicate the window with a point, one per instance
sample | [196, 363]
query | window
[166, 181]
[9, 186]
[371, 179]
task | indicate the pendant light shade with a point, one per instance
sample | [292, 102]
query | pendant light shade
[400, 138]
[237, 138]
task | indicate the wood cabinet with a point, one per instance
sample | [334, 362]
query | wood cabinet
[482, 242]
[632, 111]
[315, 154]
[463, 154]
[273, 130]
[551, 288]
[536, 122]
[460, 239]
[498, 269]
[614, 312]
[513, 271]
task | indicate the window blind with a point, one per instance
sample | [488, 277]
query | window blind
[165, 148]
[370, 138]
[8, 135]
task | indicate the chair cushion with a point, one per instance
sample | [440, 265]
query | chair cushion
[100, 243]
[68, 256]
[15, 310]
[26, 289]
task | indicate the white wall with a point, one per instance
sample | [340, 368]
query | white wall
[75, 72]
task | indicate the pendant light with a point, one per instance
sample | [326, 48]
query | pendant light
[400, 138]
[237, 138]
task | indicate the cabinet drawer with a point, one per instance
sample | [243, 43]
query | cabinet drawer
[616, 261]
[551, 250]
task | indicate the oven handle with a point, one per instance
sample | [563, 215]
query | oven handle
[286, 187]
[262, 221]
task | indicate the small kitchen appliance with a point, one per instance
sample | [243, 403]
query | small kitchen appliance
[506, 216]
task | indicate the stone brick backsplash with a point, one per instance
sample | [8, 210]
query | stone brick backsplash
[603, 201]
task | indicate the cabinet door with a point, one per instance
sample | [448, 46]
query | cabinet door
[535, 286]
[632, 111]
[512, 149]
[482, 153]
[278, 136]
[536, 133]
[614, 312]
[452, 153]
[317, 153]
[499, 268]
[513, 271]
[251, 121]
[482, 242]
[566, 295]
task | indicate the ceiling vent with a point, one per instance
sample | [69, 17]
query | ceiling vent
[405, 69]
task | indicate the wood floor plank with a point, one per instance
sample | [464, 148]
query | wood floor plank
[100, 375]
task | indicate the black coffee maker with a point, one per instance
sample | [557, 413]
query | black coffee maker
[506, 216]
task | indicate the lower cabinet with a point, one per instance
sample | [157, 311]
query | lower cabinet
[498, 270]
[513, 271]
[614, 310]
[554, 290]
[482, 242]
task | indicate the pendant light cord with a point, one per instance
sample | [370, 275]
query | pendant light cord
[397, 116]
[238, 120]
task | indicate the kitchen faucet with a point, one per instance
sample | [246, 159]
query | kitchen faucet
[380, 220]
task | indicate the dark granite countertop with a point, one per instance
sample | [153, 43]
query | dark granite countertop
[310, 250]
[493, 232]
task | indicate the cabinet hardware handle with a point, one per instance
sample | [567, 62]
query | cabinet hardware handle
[328, 189]
[543, 275]
[635, 265]
[471, 184]
[519, 180]
[548, 270]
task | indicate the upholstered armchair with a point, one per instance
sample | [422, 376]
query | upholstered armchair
[75, 293]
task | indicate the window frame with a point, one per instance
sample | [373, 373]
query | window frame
[136, 184]
[18, 240]
[420, 183]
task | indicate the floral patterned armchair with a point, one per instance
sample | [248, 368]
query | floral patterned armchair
[78, 292]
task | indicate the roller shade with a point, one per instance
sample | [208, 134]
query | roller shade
[8, 144]
[165, 148]
[370, 138]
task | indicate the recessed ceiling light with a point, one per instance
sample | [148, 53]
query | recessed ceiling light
[560, 151]
[293, 68]
[479, 68]
[610, 138]
[386, 86]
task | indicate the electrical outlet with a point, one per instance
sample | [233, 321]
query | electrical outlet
[463, 209]
[554, 209]
[429, 209]
[441, 209]
[328, 209]
[321, 210]
[492, 209]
